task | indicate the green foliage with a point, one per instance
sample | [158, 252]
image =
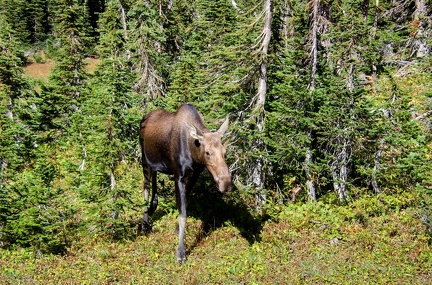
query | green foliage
[147, 42]
[14, 12]
[104, 131]
[64, 93]
[211, 64]
[425, 208]
[18, 140]
[318, 242]
[69, 154]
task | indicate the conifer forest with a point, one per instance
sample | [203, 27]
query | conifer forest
[329, 142]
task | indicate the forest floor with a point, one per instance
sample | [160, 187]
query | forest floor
[375, 240]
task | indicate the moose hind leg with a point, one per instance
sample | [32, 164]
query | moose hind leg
[154, 197]
[148, 174]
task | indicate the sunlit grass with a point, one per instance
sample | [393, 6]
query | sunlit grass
[303, 244]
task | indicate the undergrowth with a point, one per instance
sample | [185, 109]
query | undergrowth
[374, 240]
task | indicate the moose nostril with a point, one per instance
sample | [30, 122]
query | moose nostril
[225, 185]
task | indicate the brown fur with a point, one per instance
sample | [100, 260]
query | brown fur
[180, 144]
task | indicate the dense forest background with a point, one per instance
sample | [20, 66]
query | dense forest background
[328, 101]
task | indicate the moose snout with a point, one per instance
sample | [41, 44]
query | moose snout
[222, 177]
[225, 184]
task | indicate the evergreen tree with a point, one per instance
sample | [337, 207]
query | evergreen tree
[15, 13]
[399, 143]
[210, 73]
[62, 96]
[38, 23]
[14, 139]
[291, 106]
[29, 19]
[107, 126]
[30, 213]
[256, 166]
[218, 70]
[147, 42]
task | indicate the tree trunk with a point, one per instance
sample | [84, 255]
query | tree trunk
[340, 163]
[314, 67]
[376, 168]
[339, 167]
[257, 175]
[123, 20]
[420, 44]
[310, 181]
[314, 44]
[113, 185]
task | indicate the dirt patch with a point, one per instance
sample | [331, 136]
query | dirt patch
[39, 70]
[43, 70]
[92, 63]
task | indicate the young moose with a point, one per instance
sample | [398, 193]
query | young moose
[180, 144]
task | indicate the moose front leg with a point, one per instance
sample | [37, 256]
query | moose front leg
[181, 207]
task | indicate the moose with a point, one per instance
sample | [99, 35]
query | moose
[180, 144]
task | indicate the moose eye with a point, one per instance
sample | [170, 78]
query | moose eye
[207, 153]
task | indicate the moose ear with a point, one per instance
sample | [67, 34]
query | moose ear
[224, 127]
[195, 133]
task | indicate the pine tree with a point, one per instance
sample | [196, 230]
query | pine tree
[29, 19]
[30, 214]
[14, 138]
[210, 73]
[147, 42]
[15, 13]
[62, 96]
[106, 126]
[38, 23]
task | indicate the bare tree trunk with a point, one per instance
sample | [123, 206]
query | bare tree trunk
[339, 167]
[314, 67]
[423, 116]
[262, 82]
[233, 2]
[123, 20]
[310, 181]
[376, 167]
[113, 185]
[420, 43]
[350, 80]
[341, 146]
[82, 165]
[314, 44]
[257, 175]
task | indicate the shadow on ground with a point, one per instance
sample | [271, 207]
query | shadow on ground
[215, 210]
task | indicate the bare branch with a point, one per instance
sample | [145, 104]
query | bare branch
[423, 116]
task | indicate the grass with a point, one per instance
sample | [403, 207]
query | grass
[302, 244]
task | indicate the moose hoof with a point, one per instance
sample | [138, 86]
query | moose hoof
[145, 228]
[181, 257]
